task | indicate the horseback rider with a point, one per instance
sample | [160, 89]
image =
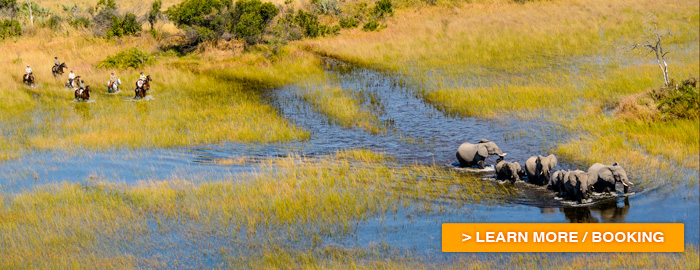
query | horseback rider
[71, 77]
[112, 84]
[56, 63]
[28, 70]
[81, 85]
[141, 81]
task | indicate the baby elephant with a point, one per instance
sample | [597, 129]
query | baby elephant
[508, 171]
[556, 183]
[577, 185]
[538, 169]
[604, 177]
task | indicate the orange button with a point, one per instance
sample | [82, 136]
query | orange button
[562, 237]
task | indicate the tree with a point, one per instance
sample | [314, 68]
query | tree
[154, 14]
[653, 44]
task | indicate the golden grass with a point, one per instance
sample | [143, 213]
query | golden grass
[191, 106]
[371, 258]
[342, 107]
[78, 225]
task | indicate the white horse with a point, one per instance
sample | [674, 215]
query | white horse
[113, 87]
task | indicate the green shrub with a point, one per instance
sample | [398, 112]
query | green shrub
[349, 22]
[202, 20]
[80, 22]
[250, 18]
[372, 25]
[124, 26]
[679, 101]
[10, 28]
[203, 13]
[8, 4]
[382, 8]
[311, 27]
[54, 22]
[129, 58]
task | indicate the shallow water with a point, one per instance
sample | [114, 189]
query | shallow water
[417, 133]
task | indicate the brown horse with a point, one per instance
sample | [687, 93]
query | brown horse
[58, 70]
[141, 91]
[28, 79]
[84, 94]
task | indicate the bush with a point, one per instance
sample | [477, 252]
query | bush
[250, 18]
[329, 7]
[311, 27]
[382, 8]
[124, 26]
[202, 13]
[676, 101]
[8, 4]
[10, 28]
[80, 22]
[54, 22]
[372, 25]
[129, 58]
[202, 20]
[349, 22]
[680, 101]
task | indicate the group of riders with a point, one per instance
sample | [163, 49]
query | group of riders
[75, 82]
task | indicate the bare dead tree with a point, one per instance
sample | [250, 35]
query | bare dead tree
[31, 18]
[653, 44]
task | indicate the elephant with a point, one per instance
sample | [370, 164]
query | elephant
[474, 154]
[556, 183]
[538, 169]
[508, 171]
[577, 185]
[604, 177]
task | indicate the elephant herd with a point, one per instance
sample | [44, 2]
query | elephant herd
[539, 170]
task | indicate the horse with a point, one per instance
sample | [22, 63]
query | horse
[28, 79]
[141, 91]
[83, 94]
[74, 85]
[113, 86]
[58, 70]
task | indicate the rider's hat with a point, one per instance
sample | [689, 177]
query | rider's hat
[27, 65]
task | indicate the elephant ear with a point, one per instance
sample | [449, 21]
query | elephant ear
[552, 161]
[482, 151]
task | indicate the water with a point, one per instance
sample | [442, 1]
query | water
[417, 133]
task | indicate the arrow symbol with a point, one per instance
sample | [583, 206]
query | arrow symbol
[466, 237]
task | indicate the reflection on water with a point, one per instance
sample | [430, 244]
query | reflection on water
[607, 211]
